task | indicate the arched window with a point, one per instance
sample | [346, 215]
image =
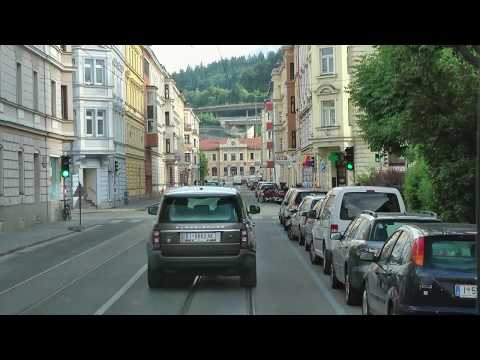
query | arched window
[214, 171]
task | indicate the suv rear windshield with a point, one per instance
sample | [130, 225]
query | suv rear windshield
[451, 253]
[383, 229]
[301, 195]
[355, 202]
[201, 209]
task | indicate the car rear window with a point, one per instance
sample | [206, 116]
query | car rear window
[301, 195]
[451, 253]
[383, 229]
[355, 202]
[201, 209]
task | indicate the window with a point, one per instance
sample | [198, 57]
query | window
[233, 171]
[353, 203]
[64, 100]
[292, 71]
[225, 157]
[214, 171]
[35, 90]
[167, 118]
[21, 174]
[1, 170]
[100, 122]
[195, 159]
[187, 139]
[63, 47]
[241, 156]
[19, 84]
[195, 142]
[167, 146]
[351, 229]
[233, 157]
[241, 171]
[454, 253]
[36, 176]
[89, 122]
[53, 189]
[294, 139]
[363, 231]
[396, 257]
[225, 171]
[88, 71]
[53, 92]
[150, 112]
[387, 248]
[252, 170]
[146, 68]
[214, 157]
[100, 72]
[167, 92]
[328, 113]
[327, 60]
[292, 104]
[252, 156]
[187, 157]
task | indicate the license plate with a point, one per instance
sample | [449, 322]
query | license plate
[200, 237]
[466, 291]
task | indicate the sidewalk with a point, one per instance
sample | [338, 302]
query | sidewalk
[139, 205]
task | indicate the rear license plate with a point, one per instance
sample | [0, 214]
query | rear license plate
[195, 237]
[466, 291]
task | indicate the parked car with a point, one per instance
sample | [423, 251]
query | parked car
[294, 200]
[366, 233]
[423, 269]
[312, 215]
[340, 207]
[259, 187]
[284, 204]
[202, 231]
[267, 192]
[299, 219]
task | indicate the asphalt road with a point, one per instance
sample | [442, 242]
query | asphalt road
[102, 271]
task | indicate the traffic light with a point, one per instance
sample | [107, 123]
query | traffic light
[312, 161]
[349, 158]
[65, 172]
[116, 167]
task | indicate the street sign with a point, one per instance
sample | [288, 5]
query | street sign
[323, 167]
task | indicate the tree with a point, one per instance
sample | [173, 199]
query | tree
[203, 166]
[424, 96]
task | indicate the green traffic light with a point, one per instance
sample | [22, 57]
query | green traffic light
[350, 166]
[65, 173]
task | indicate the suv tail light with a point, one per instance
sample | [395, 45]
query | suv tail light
[243, 238]
[418, 251]
[333, 228]
[156, 239]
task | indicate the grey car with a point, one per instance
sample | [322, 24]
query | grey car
[299, 219]
[202, 230]
[366, 233]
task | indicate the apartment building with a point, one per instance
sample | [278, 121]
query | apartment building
[191, 146]
[36, 129]
[267, 169]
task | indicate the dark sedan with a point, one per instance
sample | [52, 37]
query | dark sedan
[423, 269]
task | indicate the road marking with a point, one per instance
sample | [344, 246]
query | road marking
[59, 264]
[122, 291]
[136, 221]
[339, 310]
[115, 221]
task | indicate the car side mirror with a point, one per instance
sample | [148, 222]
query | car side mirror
[254, 209]
[152, 210]
[336, 236]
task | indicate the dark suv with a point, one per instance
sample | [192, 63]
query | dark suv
[424, 269]
[202, 230]
[366, 233]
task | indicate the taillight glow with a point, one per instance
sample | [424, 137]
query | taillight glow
[418, 251]
[156, 238]
[244, 239]
[333, 228]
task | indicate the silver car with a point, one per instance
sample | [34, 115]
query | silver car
[299, 219]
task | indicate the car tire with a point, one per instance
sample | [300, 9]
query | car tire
[290, 233]
[334, 283]
[248, 277]
[155, 279]
[307, 245]
[352, 295]
[301, 239]
[326, 262]
[365, 306]
[314, 258]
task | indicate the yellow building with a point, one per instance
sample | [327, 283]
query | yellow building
[135, 121]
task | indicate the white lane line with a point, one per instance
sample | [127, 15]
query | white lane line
[339, 310]
[59, 264]
[122, 291]
[136, 221]
[115, 221]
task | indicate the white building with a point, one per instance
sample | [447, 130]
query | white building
[36, 129]
[99, 123]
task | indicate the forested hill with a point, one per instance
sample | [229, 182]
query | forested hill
[230, 81]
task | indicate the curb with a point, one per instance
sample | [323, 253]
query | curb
[8, 252]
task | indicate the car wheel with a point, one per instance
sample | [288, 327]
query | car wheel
[352, 295]
[301, 239]
[307, 245]
[365, 307]
[290, 233]
[326, 262]
[314, 259]
[248, 277]
[155, 279]
[334, 283]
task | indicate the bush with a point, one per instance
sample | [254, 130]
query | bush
[388, 177]
[418, 187]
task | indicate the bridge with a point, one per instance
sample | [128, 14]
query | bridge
[229, 121]
[230, 107]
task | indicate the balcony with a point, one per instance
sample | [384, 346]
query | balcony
[269, 125]
[270, 164]
[170, 158]
[195, 132]
[188, 127]
[151, 140]
[269, 144]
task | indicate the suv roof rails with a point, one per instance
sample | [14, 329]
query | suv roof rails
[427, 212]
[370, 212]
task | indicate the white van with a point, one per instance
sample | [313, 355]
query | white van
[340, 206]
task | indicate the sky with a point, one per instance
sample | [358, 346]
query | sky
[176, 57]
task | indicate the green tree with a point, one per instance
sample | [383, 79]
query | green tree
[203, 166]
[424, 96]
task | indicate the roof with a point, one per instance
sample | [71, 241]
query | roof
[309, 190]
[213, 144]
[199, 190]
[386, 189]
[400, 215]
[431, 229]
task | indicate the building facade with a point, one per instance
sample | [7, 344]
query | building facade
[36, 129]
[268, 155]
[191, 146]
[99, 125]
[135, 121]
[232, 157]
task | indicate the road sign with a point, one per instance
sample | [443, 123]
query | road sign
[323, 167]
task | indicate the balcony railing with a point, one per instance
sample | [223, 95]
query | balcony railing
[151, 140]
